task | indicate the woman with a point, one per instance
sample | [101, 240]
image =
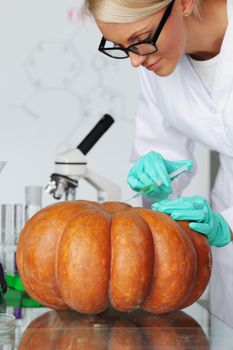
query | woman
[185, 53]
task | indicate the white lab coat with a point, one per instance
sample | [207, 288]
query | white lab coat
[176, 111]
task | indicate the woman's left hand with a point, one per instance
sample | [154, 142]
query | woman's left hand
[204, 220]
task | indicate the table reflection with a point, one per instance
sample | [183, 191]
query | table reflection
[113, 330]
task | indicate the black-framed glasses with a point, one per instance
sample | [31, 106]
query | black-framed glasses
[142, 48]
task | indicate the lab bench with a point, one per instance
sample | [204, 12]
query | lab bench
[45, 329]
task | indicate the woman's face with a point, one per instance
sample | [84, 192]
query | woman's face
[171, 42]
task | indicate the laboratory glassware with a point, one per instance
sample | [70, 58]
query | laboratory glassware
[33, 200]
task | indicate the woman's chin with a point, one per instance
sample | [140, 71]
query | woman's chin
[164, 70]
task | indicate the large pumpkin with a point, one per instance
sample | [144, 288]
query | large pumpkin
[84, 256]
[113, 330]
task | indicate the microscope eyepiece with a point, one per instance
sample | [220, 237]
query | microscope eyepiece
[95, 134]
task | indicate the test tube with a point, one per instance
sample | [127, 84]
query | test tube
[18, 220]
[18, 225]
[6, 222]
[7, 237]
[33, 198]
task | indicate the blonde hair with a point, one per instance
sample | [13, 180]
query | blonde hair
[126, 11]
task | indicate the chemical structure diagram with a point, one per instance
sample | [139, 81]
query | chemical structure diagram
[69, 75]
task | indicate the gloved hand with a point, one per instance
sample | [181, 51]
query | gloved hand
[197, 209]
[151, 168]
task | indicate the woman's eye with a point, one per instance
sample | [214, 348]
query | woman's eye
[142, 39]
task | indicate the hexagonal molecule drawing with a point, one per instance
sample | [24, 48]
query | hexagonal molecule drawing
[74, 68]
[53, 64]
[106, 88]
[100, 100]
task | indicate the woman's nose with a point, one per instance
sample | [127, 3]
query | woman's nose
[136, 60]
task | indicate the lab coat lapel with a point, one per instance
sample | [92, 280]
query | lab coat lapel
[207, 124]
[197, 87]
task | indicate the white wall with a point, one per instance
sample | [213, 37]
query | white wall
[54, 86]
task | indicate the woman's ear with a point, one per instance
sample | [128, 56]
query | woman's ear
[187, 6]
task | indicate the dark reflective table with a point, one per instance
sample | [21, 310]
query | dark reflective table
[44, 329]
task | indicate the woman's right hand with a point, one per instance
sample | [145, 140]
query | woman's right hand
[149, 169]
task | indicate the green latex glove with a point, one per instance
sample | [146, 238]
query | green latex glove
[197, 209]
[150, 168]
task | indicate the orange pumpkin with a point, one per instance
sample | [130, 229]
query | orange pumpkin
[85, 256]
[113, 330]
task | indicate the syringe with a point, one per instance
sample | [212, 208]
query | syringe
[158, 182]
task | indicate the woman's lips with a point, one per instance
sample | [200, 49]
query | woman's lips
[154, 65]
